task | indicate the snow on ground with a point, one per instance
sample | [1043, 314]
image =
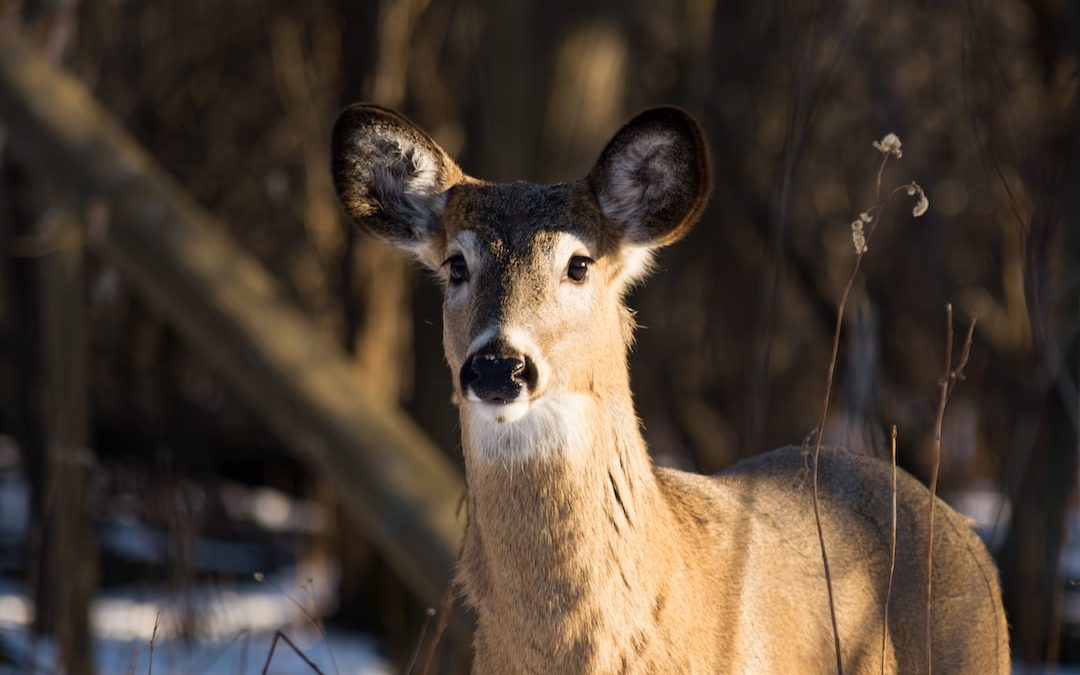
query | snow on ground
[245, 654]
[234, 625]
[235, 629]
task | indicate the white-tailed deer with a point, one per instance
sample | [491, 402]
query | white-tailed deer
[580, 555]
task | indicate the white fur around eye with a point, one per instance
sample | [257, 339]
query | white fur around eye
[575, 298]
[463, 244]
[566, 247]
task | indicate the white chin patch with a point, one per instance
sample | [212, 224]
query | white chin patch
[551, 426]
[499, 413]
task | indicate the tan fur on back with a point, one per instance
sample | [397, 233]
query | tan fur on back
[580, 555]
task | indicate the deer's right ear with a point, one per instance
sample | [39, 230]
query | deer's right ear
[391, 177]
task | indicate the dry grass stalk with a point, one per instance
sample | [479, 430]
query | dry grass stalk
[278, 635]
[429, 613]
[949, 378]
[861, 247]
[315, 619]
[432, 646]
[862, 230]
[892, 556]
[311, 614]
[153, 636]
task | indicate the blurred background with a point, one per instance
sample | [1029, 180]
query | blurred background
[224, 412]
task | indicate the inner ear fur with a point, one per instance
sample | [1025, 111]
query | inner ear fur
[653, 179]
[391, 177]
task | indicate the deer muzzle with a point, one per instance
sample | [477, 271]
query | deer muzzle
[494, 376]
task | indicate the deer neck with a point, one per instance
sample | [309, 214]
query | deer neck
[567, 536]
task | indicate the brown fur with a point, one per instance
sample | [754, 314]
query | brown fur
[580, 556]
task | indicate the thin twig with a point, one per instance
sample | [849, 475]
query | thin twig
[892, 556]
[303, 657]
[153, 636]
[440, 628]
[316, 620]
[943, 398]
[429, 613]
[878, 209]
[817, 454]
[311, 615]
[263, 579]
[949, 378]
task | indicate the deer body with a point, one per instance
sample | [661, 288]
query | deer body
[580, 556]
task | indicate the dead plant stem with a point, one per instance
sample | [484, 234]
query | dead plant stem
[892, 556]
[440, 628]
[420, 641]
[878, 209]
[950, 376]
[278, 635]
[153, 637]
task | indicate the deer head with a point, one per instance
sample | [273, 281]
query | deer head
[534, 275]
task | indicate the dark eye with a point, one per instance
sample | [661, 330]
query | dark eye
[459, 271]
[579, 268]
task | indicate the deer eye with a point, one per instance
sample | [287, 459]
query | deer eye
[459, 270]
[579, 268]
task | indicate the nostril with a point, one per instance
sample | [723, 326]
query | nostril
[469, 373]
[526, 374]
[516, 368]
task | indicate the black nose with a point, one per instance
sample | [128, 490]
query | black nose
[497, 378]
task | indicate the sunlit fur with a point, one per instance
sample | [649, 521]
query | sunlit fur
[580, 556]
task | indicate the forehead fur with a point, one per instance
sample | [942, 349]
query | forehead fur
[517, 214]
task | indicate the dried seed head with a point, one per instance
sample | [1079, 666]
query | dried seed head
[921, 202]
[858, 237]
[890, 145]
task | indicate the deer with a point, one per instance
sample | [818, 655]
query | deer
[580, 555]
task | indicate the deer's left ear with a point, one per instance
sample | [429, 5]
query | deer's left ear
[652, 180]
